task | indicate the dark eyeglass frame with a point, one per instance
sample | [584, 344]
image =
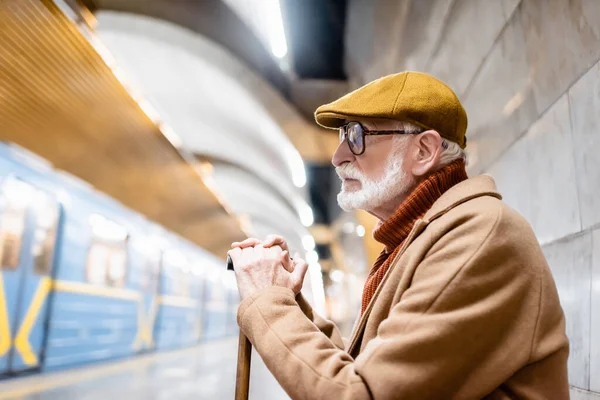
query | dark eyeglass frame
[343, 130]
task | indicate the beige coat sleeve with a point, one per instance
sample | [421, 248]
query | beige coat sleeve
[460, 317]
[327, 327]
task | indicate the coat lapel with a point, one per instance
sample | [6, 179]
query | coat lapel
[416, 230]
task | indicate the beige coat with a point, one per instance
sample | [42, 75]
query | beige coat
[468, 310]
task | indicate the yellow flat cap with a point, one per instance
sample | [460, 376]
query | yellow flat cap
[407, 96]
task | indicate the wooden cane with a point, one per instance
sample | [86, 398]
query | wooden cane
[242, 379]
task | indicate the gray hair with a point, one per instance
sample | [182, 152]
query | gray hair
[451, 151]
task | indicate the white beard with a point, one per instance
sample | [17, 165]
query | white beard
[374, 193]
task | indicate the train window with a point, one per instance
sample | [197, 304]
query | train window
[183, 286]
[152, 271]
[152, 250]
[14, 200]
[46, 213]
[197, 277]
[98, 256]
[107, 257]
[179, 273]
[117, 264]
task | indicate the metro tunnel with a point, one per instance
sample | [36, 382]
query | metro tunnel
[142, 141]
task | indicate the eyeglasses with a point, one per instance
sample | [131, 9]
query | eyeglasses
[355, 133]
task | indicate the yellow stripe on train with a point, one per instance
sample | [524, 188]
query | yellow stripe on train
[5, 339]
[22, 344]
[46, 284]
[95, 290]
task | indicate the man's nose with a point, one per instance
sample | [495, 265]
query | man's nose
[342, 155]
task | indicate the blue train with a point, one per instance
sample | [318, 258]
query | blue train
[84, 279]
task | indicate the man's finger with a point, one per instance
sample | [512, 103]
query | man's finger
[250, 242]
[276, 253]
[300, 268]
[273, 240]
[286, 261]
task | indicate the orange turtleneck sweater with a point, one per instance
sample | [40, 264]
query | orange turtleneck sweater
[393, 231]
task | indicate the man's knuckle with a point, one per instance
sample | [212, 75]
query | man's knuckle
[246, 267]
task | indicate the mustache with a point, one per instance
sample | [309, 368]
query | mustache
[348, 171]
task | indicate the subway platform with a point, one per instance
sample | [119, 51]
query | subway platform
[205, 371]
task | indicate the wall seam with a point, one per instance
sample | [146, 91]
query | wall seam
[573, 235]
[589, 380]
[572, 135]
[586, 391]
[442, 33]
[465, 92]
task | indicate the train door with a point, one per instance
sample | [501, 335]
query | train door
[215, 308]
[150, 292]
[201, 298]
[29, 221]
[233, 302]
[164, 288]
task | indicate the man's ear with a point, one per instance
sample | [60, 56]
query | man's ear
[427, 152]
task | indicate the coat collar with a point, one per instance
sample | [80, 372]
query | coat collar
[481, 185]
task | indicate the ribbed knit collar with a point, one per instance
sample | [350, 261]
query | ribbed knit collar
[395, 229]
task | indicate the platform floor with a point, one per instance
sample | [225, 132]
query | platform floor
[203, 372]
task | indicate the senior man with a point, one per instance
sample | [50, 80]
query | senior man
[460, 304]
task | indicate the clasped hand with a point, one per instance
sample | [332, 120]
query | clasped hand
[262, 264]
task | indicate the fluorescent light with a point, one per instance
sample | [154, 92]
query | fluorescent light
[171, 136]
[296, 166]
[275, 28]
[306, 215]
[336, 275]
[304, 211]
[348, 227]
[205, 169]
[265, 19]
[308, 242]
[312, 257]
[103, 51]
[360, 230]
[316, 280]
[149, 110]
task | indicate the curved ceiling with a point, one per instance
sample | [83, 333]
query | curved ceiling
[213, 103]
[60, 100]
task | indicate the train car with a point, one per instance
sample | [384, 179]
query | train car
[94, 308]
[179, 301]
[29, 222]
[146, 248]
[233, 300]
[84, 279]
[217, 306]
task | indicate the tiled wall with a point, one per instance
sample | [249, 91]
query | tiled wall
[528, 73]
[551, 175]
